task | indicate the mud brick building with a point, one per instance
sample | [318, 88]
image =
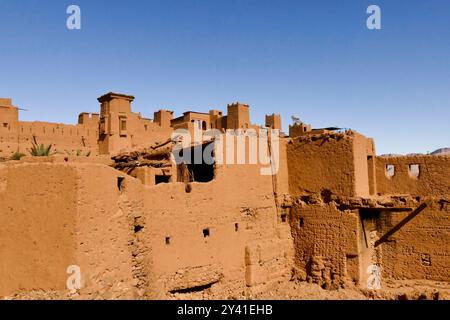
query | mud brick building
[141, 229]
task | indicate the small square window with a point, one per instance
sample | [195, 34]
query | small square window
[206, 233]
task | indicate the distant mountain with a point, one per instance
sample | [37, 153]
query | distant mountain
[438, 152]
[442, 151]
[414, 154]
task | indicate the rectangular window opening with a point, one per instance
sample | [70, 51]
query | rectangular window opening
[162, 179]
[390, 170]
[414, 171]
[301, 223]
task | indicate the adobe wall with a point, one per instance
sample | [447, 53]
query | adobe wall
[326, 244]
[419, 250]
[115, 229]
[38, 208]
[248, 247]
[106, 241]
[64, 137]
[54, 215]
[434, 177]
[321, 163]
[364, 165]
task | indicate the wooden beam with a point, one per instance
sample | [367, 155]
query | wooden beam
[397, 227]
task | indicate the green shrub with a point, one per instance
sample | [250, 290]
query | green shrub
[39, 150]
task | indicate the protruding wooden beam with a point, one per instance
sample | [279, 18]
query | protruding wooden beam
[397, 227]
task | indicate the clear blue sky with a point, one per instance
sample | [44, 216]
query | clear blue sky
[314, 59]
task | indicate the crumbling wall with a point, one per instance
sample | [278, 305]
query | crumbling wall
[217, 240]
[433, 179]
[107, 204]
[419, 250]
[225, 238]
[326, 244]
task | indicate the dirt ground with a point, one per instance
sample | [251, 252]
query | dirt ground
[295, 290]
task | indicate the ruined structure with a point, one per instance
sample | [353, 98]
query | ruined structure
[139, 225]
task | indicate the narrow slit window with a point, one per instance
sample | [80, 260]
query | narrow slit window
[120, 183]
[301, 222]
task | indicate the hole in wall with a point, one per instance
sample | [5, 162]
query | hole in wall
[206, 233]
[167, 240]
[326, 195]
[120, 183]
[193, 289]
[236, 227]
[425, 260]
[283, 217]
[162, 179]
[301, 223]
[138, 228]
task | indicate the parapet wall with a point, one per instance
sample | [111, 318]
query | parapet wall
[64, 138]
[433, 175]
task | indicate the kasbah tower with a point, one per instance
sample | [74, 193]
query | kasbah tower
[108, 199]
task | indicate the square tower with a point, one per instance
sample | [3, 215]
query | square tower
[273, 121]
[115, 112]
[238, 116]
